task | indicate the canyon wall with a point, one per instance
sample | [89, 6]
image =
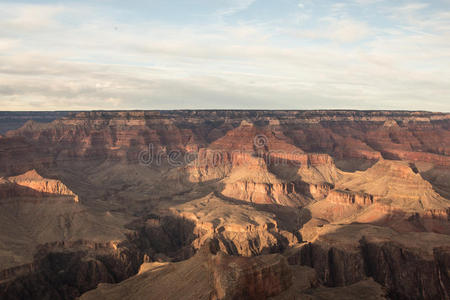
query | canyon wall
[417, 136]
[289, 204]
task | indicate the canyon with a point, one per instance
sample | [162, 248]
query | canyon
[224, 204]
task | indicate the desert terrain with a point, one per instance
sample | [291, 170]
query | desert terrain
[225, 204]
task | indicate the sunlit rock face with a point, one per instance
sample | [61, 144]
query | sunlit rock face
[34, 184]
[244, 204]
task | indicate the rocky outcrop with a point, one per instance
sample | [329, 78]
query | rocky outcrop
[252, 183]
[207, 275]
[255, 278]
[64, 271]
[260, 192]
[350, 198]
[165, 237]
[32, 184]
[237, 228]
[226, 277]
[10, 190]
[407, 273]
[419, 136]
[411, 266]
[245, 157]
[390, 193]
[397, 184]
[436, 159]
[319, 190]
[439, 214]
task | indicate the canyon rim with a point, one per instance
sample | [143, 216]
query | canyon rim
[224, 150]
[224, 204]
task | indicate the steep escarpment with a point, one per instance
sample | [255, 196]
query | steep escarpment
[215, 275]
[411, 266]
[257, 278]
[396, 183]
[345, 135]
[254, 183]
[390, 193]
[238, 228]
[57, 268]
[348, 197]
[33, 184]
[356, 201]
[206, 276]
[36, 211]
[254, 162]
[66, 269]
[371, 135]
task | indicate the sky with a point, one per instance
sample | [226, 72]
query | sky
[225, 54]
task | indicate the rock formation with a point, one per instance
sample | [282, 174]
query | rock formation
[214, 275]
[33, 184]
[240, 204]
[411, 265]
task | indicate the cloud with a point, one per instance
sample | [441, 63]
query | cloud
[338, 30]
[234, 6]
[412, 7]
[338, 62]
[8, 44]
[29, 16]
[367, 2]
[348, 31]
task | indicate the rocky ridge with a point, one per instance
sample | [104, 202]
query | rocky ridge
[250, 183]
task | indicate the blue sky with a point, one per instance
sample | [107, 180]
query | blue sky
[260, 54]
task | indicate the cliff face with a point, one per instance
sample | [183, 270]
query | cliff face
[397, 185]
[227, 277]
[390, 193]
[33, 184]
[238, 228]
[205, 276]
[419, 136]
[352, 199]
[411, 266]
[65, 270]
[348, 197]
[257, 278]
[257, 192]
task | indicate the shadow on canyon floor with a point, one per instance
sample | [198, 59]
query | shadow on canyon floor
[351, 253]
[65, 270]
[288, 218]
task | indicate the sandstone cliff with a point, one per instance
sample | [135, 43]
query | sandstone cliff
[155, 187]
[411, 266]
[36, 185]
[214, 275]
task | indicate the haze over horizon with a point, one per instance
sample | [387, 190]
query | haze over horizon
[248, 54]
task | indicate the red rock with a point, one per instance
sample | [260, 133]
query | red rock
[349, 197]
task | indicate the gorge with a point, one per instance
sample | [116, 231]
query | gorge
[244, 204]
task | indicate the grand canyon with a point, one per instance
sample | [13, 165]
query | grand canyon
[225, 204]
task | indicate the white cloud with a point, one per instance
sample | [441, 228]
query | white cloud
[339, 30]
[158, 65]
[412, 7]
[367, 2]
[235, 6]
[8, 44]
[28, 16]
[348, 31]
